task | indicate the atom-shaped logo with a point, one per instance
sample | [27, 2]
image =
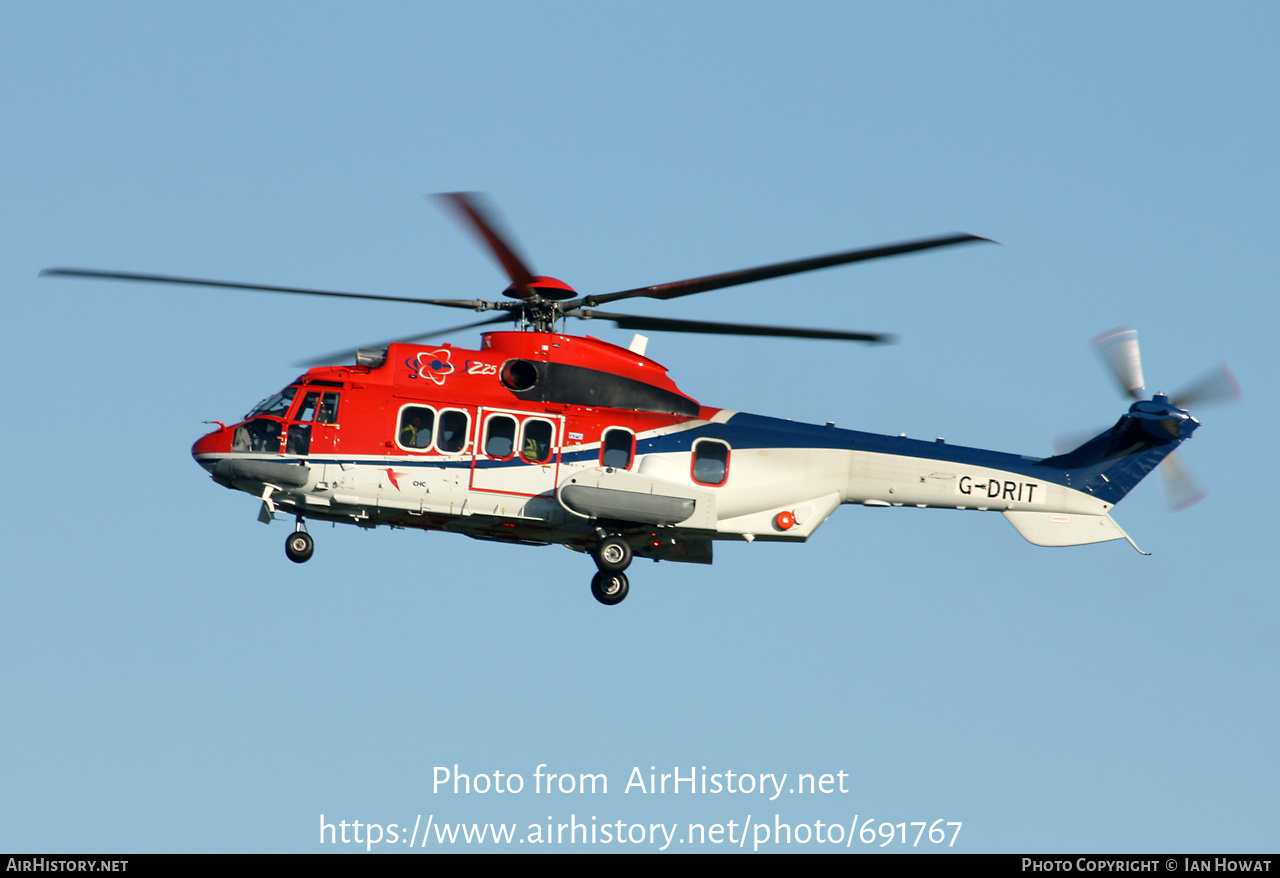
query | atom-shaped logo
[433, 365]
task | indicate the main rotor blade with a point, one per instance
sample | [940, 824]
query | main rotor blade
[1119, 348]
[765, 272]
[1218, 386]
[630, 321]
[473, 304]
[338, 357]
[467, 206]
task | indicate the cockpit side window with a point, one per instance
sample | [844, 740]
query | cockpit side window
[328, 409]
[307, 409]
[298, 440]
[260, 435]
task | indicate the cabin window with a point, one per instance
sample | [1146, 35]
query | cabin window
[500, 436]
[453, 430]
[417, 426]
[535, 444]
[710, 462]
[617, 447]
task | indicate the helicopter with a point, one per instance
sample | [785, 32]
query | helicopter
[538, 437]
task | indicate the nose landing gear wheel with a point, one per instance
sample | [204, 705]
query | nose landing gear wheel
[609, 588]
[299, 547]
[613, 554]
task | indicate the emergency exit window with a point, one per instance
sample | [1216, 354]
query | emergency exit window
[617, 448]
[500, 436]
[535, 444]
[710, 462]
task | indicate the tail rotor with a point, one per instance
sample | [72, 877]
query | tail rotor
[1119, 350]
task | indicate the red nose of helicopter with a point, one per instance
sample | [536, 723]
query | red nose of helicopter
[217, 442]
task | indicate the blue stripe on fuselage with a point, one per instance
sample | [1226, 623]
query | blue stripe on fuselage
[757, 431]
[748, 431]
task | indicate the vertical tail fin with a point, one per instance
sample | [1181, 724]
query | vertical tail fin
[1111, 464]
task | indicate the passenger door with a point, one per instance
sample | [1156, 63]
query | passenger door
[516, 452]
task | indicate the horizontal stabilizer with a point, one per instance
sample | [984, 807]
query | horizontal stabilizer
[1060, 529]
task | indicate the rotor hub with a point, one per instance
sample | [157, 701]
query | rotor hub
[542, 287]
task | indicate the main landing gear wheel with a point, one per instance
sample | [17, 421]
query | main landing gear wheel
[609, 588]
[299, 547]
[613, 554]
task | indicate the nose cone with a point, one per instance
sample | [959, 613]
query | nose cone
[211, 444]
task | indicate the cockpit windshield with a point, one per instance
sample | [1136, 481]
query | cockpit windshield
[277, 405]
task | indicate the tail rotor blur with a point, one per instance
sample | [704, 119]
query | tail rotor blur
[1218, 385]
[1119, 350]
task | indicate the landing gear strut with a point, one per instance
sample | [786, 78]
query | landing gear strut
[299, 547]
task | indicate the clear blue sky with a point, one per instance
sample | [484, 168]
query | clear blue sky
[172, 683]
